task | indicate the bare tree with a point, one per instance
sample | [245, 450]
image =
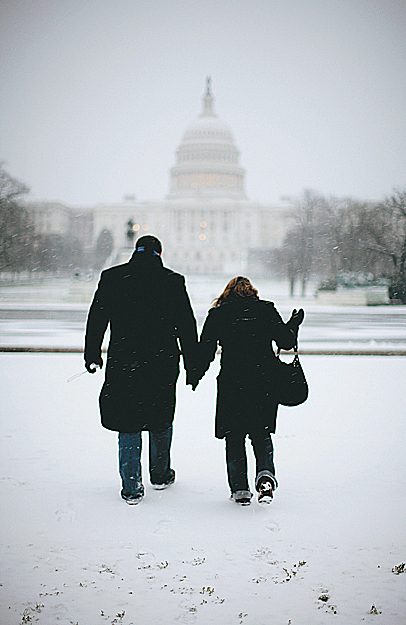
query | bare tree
[389, 235]
[336, 236]
[299, 245]
[10, 188]
[16, 228]
[103, 249]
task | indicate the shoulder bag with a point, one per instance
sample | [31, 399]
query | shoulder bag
[292, 387]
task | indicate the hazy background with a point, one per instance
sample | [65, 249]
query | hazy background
[95, 96]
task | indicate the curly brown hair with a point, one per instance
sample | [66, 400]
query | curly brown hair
[236, 288]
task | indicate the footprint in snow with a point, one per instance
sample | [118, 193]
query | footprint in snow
[145, 560]
[272, 527]
[163, 527]
[189, 612]
[68, 514]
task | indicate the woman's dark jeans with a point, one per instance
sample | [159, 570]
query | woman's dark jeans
[129, 454]
[236, 457]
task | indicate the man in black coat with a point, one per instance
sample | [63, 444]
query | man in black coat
[149, 313]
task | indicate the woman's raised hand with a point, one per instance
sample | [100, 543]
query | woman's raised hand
[297, 316]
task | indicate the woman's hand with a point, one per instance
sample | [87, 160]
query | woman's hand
[297, 316]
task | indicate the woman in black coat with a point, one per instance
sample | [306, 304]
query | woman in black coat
[245, 326]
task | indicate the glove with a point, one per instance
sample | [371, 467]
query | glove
[92, 364]
[297, 316]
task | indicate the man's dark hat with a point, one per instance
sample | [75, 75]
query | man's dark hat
[148, 243]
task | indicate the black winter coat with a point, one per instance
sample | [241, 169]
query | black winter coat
[148, 309]
[246, 397]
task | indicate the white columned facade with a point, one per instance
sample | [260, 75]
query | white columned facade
[206, 223]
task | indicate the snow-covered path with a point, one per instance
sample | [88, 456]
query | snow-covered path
[74, 553]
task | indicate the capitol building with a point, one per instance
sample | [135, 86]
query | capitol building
[206, 222]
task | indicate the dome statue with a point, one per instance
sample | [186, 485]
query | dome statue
[207, 160]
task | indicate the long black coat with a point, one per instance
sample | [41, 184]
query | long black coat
[245, 328]
[148, 309]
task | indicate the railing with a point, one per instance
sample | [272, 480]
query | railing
[302, 352]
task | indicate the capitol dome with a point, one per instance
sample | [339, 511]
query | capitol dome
[207, 160]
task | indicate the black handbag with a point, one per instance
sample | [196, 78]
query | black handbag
[292, 388]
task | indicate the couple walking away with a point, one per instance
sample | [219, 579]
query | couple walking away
[150, 315]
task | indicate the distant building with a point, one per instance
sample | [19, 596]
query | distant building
[206, 222]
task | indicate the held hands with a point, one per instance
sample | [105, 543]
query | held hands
[193, 382]
[297, 316]
[94, 364]
[192, 378]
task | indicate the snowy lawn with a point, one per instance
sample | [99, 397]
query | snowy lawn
[329, 549]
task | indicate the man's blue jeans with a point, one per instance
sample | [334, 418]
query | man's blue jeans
[236, 457]
[129, 456]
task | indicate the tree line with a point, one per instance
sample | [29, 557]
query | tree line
[344, 241]
[16, 227]
[22, 249]
[335, 239]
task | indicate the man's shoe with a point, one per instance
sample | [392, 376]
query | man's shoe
[242, 497]
[165, 484]
[132, 501]
[265, 491]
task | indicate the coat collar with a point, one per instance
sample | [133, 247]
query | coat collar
[145, 259]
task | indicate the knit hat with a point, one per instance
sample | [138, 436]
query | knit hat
[148, 243]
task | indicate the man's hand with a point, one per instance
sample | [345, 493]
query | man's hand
[92, 365]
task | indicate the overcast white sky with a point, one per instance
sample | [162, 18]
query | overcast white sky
[96, 95]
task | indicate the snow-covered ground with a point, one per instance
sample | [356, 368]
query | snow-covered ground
[338, 329]
[52, 316]
[329, 549]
